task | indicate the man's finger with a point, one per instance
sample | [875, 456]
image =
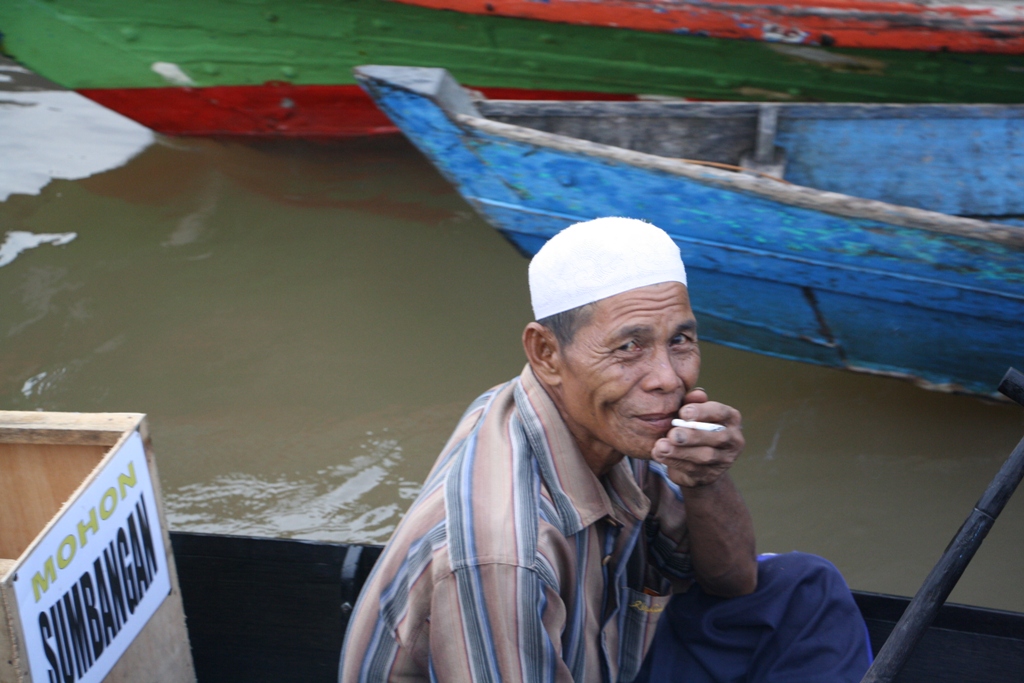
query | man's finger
[696, 395]
[711, 411]
[685, 436]
[698, 456]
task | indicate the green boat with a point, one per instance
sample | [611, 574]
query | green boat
[277, 67]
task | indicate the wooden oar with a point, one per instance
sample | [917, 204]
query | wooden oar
[943, 577]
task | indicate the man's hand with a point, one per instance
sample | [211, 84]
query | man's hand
[696, 458]
[720, 530]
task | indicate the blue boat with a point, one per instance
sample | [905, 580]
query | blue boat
[886, 239]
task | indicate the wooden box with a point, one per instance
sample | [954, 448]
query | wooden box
[88, 586]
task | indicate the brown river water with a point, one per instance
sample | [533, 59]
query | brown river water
[304, 323]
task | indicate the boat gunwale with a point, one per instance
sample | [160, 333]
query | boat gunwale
[785, 193]
[792, 110]
[953, 616]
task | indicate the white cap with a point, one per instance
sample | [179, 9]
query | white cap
[596, 259]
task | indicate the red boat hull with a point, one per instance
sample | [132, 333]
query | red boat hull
[881, 24]
[277, 109]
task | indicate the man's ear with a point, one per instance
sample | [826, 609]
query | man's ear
[543, 353]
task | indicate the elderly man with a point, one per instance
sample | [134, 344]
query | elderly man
[567, 515]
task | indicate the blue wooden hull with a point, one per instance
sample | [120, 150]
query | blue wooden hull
[783, 274]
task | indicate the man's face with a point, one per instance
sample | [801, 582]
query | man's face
[626, 371]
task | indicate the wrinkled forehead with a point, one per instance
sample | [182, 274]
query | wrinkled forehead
[661, 307]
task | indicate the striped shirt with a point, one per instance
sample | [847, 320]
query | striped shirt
[516, 563]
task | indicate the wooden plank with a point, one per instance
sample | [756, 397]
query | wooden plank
[13, 665]
[66, 428]
[35, 482]
[59, 436]
[7, 667]
[31, 420]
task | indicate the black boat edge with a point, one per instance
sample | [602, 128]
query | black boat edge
[263, 609]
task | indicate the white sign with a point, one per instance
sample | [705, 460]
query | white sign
[97, 576]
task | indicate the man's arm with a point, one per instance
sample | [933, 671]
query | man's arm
[497, 622]
[721, 538]
[720, 529]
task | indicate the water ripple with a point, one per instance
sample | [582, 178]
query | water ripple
[351, 502]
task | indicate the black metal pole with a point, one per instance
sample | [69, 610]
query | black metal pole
[943, 577]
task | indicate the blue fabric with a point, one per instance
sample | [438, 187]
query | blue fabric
[801, 625]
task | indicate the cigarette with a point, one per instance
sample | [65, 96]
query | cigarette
[702, 426]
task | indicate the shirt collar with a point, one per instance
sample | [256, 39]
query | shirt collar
[568, 477]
